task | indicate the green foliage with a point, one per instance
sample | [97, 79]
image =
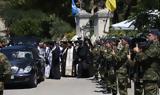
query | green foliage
[17, 2]
[24, 22]
[144, 15]
[24, 17]
[23, 4]
[62, 8]
[69, 35]
[145, 20]
[11, 15]
[58, 27]
[26, 26]
[149, 4]
[35, 22]
[121, 33]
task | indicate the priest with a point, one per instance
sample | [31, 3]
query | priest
[69, 57]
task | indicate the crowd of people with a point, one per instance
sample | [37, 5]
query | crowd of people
[118, 61]
[113, 61]
[67, 58]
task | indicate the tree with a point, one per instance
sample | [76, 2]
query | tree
[35, 22]
[62, 8]
[141, 10]
[24, 22]
[58, 27]
[146, 15]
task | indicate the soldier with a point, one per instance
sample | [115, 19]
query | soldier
[5, 71]
[137, 72]
[96, 58]
[4, 42]
[149, 59]
[111, 83]
[102, 63]
[121, 60]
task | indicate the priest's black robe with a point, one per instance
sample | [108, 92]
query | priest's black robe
[55, 66]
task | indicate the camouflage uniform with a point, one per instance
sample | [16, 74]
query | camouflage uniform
[110, 77]
[96, 60]
[137, 75]
[3, 42]
[5, 71]
[102, 63]
[122, 75]
[149, 59]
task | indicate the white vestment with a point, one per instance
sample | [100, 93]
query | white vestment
[69, 61]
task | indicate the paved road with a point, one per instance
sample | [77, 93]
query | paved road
[65, 86]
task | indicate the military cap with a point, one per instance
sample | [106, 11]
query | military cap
[143, 45]
[154, 32]
[127, 39]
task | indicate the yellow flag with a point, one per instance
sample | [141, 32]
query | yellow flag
[111, 5]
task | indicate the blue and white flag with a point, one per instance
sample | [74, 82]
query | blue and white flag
[75, 10]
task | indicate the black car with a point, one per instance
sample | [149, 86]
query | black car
[27, 66]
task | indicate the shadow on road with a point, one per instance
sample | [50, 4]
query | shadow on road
[12, 86]
[100, 88]
[16, 86]
[101, 91]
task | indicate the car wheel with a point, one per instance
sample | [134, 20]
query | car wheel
[34, 81]
[42, 75]
[42, 78]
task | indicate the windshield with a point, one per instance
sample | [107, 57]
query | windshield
[18, 54]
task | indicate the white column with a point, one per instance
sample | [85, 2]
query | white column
[102, 23]
[81, 19]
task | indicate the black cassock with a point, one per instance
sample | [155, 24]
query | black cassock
[84, 61]
[55, 67]
[64, 59]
